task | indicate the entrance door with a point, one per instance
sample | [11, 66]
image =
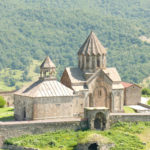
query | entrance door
[100, 97]
[100, 121]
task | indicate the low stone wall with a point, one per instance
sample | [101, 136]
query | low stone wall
[132, 117]
[144, 105]
[9, 97]
[13, 147]
[15, 129]
[18, 128]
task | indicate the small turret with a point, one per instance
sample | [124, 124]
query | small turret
[47, 70]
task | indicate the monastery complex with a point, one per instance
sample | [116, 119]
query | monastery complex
[90, 88]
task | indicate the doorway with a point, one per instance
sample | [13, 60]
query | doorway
[100, 121]
[93, 146]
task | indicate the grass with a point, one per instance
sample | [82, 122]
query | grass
[125, 136]
[17, 76]
[127, 109]
[148, 102]
[145, 137]
[6, 114]
[145, 95]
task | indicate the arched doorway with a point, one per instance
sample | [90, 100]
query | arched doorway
[93, 146]
[100, 97]
[100, 121]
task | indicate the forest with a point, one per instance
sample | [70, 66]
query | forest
[32, 29]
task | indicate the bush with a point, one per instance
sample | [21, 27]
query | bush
[146, 91]
[2, 102]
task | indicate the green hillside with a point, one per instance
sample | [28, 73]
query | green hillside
[32, 29]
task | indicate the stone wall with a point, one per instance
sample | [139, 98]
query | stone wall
[133, 117]
[100, 87]
[18, 128]
[9, 97]
[15, 129]
[117, 100]
[13, 147]
[144, 105]
[28, 108]
[66, 80]
[132, 95]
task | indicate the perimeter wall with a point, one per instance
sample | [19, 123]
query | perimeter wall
[18, 128]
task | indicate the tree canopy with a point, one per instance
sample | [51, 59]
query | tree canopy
[32, 29]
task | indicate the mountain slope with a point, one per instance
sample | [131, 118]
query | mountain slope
[33, 29]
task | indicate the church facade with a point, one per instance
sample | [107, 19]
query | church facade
[90, 85]
[103, 84]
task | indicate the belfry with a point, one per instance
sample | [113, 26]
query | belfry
[92, 55]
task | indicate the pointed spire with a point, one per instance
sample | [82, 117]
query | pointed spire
[47, 63]
[92, 46]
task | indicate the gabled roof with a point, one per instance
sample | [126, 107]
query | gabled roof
[47, 88]
[47, 63]
[76, 75]
[112, 74]
[76, 78]
[92, 46]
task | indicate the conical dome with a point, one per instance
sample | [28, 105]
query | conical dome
[92, 55]
[47, 63]
[92, 46]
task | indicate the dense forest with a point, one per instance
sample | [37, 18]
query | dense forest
[32, 29]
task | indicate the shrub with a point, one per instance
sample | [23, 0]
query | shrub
[146, 91]
[2, 102]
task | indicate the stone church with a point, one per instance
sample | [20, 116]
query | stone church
[90, 85]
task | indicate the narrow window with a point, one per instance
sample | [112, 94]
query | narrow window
[98, 61]
[24, 113]
[99, 93]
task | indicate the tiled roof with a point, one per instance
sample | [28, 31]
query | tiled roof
[92, 46]
[126, 84]
[47, 88]
[47, 63]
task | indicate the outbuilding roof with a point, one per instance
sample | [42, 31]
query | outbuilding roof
[126, 84]
[47, 88]
[92, 46]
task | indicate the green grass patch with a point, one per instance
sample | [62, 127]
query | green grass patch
[123, 135]
[6, 114]
[127, 109]
[148, 102]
